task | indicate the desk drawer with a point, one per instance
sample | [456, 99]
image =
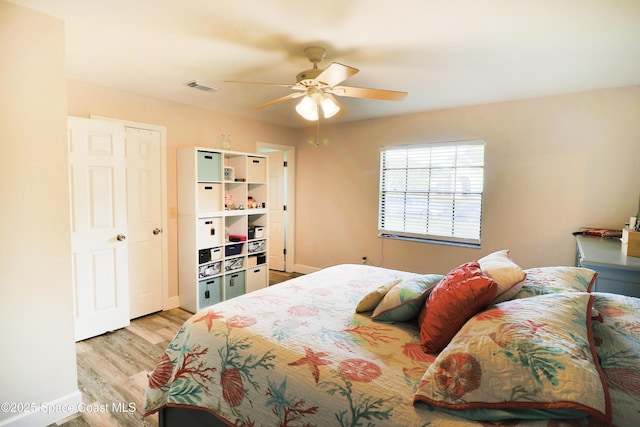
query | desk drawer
[603, 284]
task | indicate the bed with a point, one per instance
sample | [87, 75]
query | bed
[541, 351]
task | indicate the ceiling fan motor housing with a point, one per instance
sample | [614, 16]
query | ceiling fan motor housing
[307, 77]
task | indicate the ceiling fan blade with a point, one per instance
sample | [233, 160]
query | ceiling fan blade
[342, 110]
[279, 100]
[288, 86]
[363, 92]
[336, 73]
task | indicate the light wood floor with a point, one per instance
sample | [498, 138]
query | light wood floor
[280, 276]
[113, 368]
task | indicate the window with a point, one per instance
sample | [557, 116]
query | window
[432, 192]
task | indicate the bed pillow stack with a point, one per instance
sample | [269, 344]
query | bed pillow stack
[465, 291]
[450, 300]
[527, 354]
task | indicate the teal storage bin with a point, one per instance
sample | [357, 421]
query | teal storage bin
[209, 167]
[234, 285]
[210, 291]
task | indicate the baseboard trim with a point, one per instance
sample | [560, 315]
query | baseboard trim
[48, 412]
[305, 269]
[172, 302]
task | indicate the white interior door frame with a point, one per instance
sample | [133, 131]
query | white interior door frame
[290, 197]
[167, 301]
[277, 213]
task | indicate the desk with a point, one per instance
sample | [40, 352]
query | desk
[617, 273]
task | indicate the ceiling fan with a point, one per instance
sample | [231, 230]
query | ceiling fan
[317, 88]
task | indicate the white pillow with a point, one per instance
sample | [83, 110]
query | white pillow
[507, 274]
[373, 298]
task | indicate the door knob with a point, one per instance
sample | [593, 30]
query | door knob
[157, 231]
[121, 237]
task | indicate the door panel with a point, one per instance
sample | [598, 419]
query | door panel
[103, 263]
[145, 220]
[97, 178]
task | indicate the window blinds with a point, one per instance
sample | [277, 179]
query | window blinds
[432, 192]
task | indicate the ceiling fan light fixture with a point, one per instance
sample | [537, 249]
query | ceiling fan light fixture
[329, 106]
[312, 102]
[308, 108]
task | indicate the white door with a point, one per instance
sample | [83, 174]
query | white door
[97, 181]
[145, 220]
[277, 213]
[144, 207]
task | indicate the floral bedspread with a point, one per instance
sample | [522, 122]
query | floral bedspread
[297, 354]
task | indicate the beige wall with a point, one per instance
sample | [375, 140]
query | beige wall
[552, 165]
[186, 127]
[38, 359]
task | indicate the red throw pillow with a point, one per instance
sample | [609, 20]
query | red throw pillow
[456, 298]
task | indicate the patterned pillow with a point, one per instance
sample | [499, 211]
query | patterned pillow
[550, 280]
[529, 358]
[460, 294]
[373, 298]
[617, 338]
[507, 274]
[404, 301]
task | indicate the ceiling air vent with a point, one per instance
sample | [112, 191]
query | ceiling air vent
[202, 86]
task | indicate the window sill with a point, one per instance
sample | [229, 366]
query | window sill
[433, 241]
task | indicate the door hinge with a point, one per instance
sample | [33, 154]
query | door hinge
[285, 164]
[284, 208]
[284, 251]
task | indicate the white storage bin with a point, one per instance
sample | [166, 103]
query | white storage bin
[259, 232]
[256, 278]
[209, 254]
[256, 169]
[209, 197]
[209, 232]
[216, 253]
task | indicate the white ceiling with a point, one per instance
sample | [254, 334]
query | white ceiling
[444, 53]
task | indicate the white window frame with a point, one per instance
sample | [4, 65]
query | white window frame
[418, 200]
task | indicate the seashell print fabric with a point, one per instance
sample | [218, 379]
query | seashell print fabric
[297, 354]
[525, 358]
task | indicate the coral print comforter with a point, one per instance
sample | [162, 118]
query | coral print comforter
[298, 354]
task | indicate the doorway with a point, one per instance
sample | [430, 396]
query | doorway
[281, 205]
[117, 202]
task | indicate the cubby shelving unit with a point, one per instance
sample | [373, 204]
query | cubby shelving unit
[222, 225]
